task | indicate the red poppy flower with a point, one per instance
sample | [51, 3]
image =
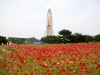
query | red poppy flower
[63, 71]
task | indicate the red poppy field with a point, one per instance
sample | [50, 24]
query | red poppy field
[50, 59]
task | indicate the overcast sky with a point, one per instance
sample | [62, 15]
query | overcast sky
[27, 18]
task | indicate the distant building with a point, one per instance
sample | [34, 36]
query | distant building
[16, 40]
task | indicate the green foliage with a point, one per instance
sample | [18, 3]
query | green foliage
[3, 40]
[50, 39]
[78, 37]
[88, 38]
[65, 32]
[65, 35]
[97, 38]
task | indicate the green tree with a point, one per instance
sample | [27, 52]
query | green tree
[79, 38]
[88, 38]
[50, 39]
[73, 38]
[3, 40]
[65, 35]
[97, 38]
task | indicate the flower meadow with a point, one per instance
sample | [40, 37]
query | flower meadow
[50, 59]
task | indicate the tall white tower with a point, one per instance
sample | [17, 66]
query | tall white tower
[49, 29]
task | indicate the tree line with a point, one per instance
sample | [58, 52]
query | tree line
[66, 36]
